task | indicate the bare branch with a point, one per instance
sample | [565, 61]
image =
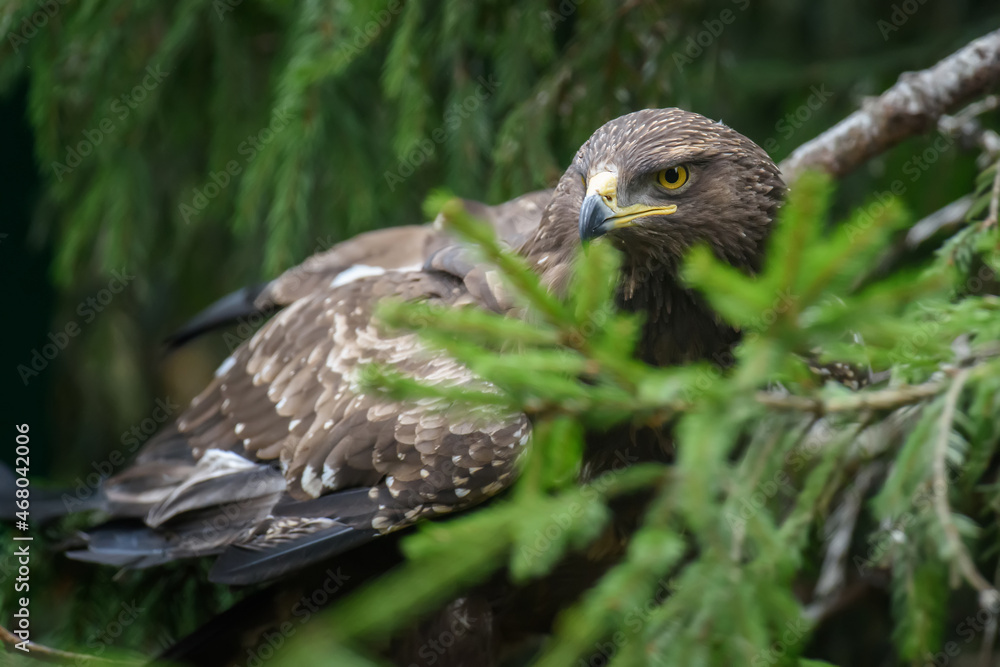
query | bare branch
[991, 219]
[911, 107]
[54, 655]
[886, 399]
[839, 533]
[990, 633]
[965, 125]
[950, 216]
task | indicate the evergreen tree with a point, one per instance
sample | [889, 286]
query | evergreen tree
[197, 146]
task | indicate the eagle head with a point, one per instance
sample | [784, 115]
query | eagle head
[656, 182]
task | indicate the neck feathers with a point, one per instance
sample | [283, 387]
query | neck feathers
[679, 327]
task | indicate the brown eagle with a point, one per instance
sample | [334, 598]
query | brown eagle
[284, 460]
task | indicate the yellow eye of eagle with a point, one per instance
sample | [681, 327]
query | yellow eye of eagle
[672, 178]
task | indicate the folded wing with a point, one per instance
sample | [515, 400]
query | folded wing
[286, 458]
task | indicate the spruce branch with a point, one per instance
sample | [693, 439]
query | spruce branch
[987, 593]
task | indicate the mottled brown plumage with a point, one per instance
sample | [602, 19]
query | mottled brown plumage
[315, 465]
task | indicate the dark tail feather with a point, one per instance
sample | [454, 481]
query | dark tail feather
[240, 565]
[46, 504]
[345, 506]
[226, 310]
[130, 543]
[124, 543]
[275, 555]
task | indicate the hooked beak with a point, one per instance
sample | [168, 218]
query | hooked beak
[600, 212]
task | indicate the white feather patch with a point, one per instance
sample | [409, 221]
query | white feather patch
[311, 483]
[329, 476]
[354, 273]
[411, 267]
[219, 460]
[224, 367]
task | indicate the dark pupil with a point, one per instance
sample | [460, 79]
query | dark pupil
[671, 176]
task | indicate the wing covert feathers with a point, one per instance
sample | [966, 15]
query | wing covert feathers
[285, 458]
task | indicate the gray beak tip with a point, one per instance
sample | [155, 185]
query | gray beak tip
[594, 214]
